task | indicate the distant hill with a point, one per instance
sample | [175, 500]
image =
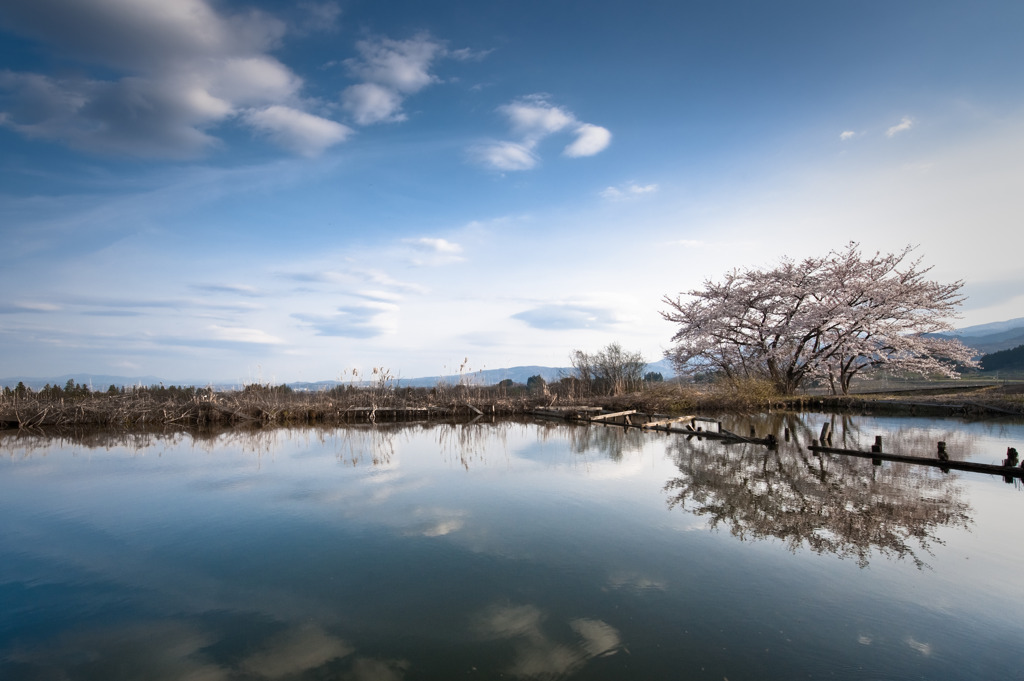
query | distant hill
[1004, 360]
[94, 381]
[518, 374]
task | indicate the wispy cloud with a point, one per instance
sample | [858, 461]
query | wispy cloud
[320, 16]
[236, 334]
[562, 317]
[504, 156]
[351, 321]
[29, 307]
[434, 251]
[628, 191]
[906, 123]
[533, 118]
[847, 134]
[390, 70]
[237, 289]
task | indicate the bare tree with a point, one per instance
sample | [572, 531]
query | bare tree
[830, 318]
[610, 371]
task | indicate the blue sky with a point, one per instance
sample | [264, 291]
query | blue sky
[289, 191]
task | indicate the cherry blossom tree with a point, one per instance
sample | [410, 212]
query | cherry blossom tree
[829, 318]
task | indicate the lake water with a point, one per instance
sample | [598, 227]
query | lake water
[517, 550]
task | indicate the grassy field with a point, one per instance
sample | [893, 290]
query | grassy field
[263, 405]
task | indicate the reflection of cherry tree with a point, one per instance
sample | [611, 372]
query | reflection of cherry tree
[833, 505]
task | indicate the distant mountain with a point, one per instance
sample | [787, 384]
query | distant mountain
[992, 328]
[989, 338]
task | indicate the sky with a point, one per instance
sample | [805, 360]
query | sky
[211, 190]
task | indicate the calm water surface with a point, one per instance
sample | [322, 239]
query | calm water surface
[510, 550]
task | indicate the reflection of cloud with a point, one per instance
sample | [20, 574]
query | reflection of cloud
[367, 669]
[923, 648]
[295, 652]
[437, 522]
[599, 638]
[537, 654]
[156, 651]
[635, 582]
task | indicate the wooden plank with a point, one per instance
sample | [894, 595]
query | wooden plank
[601, 417]
[665, 422]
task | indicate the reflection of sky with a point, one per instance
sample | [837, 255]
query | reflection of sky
[551, 558]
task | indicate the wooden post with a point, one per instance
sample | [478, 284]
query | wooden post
[877, 447]
[943, 455]
[826, 433]
[753, 433]
[786, 434]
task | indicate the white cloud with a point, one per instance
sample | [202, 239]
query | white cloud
[321, 16]
[296, 130]
[590, 140]
[629, 190]
[533, 118]
[505, 156]
[905, 124]
[180, 69]
[391, 70]
[403, 65]
[434, 252]
[846, 134]
[241, 335]
[372, 103]
[436, 245]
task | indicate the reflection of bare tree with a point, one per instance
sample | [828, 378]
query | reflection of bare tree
[837, 505]
[473, 441]
[612, 441]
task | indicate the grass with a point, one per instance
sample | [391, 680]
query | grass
[379, 400]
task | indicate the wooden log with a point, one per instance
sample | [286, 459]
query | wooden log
[601, 417]
[826, 432]
[665, 422]
[970, 466]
